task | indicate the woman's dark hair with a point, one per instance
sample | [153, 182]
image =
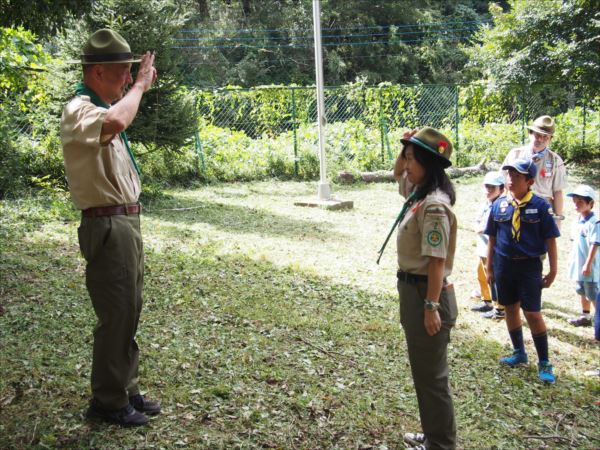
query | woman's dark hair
[435, 177]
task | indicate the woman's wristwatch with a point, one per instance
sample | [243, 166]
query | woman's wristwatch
[431, 305]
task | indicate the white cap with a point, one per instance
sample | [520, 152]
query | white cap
[583, 190]
[494, 179]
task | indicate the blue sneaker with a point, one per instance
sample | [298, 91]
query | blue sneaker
[545, 372]
[518, 357]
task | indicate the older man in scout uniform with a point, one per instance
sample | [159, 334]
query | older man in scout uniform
[551, 177]
[104, 183]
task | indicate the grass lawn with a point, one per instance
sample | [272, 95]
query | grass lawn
[267, 325]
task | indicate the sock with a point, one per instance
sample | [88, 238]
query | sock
[516, 336]
[586, 314]
[541, 345]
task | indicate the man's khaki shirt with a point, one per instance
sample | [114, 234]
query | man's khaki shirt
[428, 229]
[98, 174]
[551, 171]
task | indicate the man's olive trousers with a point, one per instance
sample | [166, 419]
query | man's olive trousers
[428, 362]
[112, 247]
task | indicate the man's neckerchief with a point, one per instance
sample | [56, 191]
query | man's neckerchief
[82, 89]
[535, 156]
[409, 202]
[516, 218]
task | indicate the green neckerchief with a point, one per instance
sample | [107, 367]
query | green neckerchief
[409, 202]
[82, 89]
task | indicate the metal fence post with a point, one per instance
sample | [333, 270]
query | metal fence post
[523, 113]
[294, 128]
[200, 151]
[456, 120]
[584, 122]
[381, 125]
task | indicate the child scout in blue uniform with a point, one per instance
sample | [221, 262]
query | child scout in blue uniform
[584, 262]
[493, 183]
[521, 230]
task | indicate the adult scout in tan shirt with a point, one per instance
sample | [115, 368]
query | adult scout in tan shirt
[551, 178]
[104, 183]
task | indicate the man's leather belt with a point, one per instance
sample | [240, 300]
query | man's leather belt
[103, 211]
[411, 277]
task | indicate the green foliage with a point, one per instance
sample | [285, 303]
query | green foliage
[23, 77]
[167, 117]
[41, 17]
[225, 41]
[491, 141]
[573, 141]
[550, 41]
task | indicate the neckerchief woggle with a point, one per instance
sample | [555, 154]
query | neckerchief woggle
[516, 218]
[409, 202]
[82, 89]
[535, 156]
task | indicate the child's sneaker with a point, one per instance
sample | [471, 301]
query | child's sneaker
[484, 306]
[581, 321]
[518, 357]
[495, 313]
[545, 372]
[475, 295]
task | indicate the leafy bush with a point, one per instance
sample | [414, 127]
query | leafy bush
[568, 140]
[491, 141]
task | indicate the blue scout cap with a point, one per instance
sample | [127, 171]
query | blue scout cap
[524, 166]
[494, 179]
[583, 190]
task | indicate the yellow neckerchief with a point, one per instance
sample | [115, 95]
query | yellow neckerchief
[516, 218]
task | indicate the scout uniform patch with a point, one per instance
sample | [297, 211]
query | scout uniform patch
[434, 236]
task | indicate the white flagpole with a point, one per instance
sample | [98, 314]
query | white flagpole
[324, 192]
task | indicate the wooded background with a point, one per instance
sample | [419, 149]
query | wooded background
[510, 60]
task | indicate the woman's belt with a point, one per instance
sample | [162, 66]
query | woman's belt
[115, 210]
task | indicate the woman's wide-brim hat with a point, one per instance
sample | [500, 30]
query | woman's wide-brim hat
[106, 46]
[543, 125]
[434, 142]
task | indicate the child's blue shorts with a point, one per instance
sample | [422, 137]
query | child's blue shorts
[587, 288]
[519, 280]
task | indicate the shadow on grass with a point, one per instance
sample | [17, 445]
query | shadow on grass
[557, 311]
[243, 353]
[573, 338]
[239, 219]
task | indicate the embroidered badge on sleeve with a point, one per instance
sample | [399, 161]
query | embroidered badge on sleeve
[434, 238]
[434, 215]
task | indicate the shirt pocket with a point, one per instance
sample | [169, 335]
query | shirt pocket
[502, 216]
[530, 217]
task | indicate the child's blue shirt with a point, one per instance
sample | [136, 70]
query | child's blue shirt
[480, 224]
[537, 225]
[584, 233]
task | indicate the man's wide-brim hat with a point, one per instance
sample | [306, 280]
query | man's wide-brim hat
[434, 142]
[543, 125]
[106, 46]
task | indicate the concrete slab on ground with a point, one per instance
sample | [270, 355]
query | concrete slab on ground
[332, 204]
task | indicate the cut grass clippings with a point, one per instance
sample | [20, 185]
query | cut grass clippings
[267, 325]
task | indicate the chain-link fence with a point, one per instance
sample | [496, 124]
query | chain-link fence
[246, 134]
[482, 121]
